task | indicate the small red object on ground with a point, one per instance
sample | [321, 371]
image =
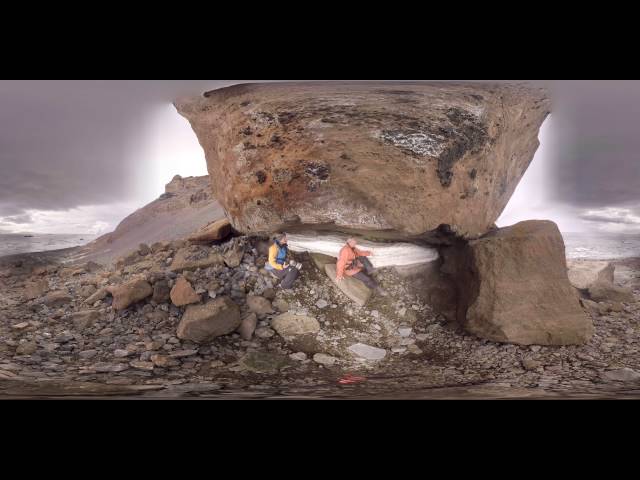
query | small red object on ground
[348, 379]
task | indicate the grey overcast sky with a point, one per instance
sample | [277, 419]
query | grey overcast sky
[78, 156]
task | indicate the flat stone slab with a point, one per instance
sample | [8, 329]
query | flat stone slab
[367, 352]
[351, 287]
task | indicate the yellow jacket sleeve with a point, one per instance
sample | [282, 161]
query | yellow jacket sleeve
[273, 251]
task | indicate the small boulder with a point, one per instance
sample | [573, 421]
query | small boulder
[584, 273]
[159, 247]
[529, 364]
[248, 326]
[259, 305]
[84, 319]
[594, 308]
[163, 361]
[26, 348]
[368, 352]
[36, 289]
[101, 294]
[213, 232]
[191, 258]
[616, 307]
[288, 325]
[93, 267]
[264, 332]
[263, 362]
[130, 292]
[322, 303]
[269, 294]
[140, 365]
[128, 260]
[87, 291]
[161, 292]
[233, 256]
[57, 298]
[203, 323]
[622, 375]
[183, 293]
[603, 291]
[324, 359]
[281, 305]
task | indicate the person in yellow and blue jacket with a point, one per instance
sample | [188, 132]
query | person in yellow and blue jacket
[279, 265]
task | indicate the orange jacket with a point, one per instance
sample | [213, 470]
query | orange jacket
[346, 256]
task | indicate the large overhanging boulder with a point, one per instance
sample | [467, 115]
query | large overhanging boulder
[395, 159]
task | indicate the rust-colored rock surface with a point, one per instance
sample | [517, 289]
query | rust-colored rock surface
[399, 158]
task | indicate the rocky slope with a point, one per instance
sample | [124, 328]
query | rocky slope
[89, 330]
[186, 205]
[390, 159]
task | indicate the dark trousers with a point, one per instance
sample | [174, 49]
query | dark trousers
[364, 277]
[287, 276]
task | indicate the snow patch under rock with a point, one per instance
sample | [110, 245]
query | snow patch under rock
[384, 254]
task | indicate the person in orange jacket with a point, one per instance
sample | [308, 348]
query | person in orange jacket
[352, 261]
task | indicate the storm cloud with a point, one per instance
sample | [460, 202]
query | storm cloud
[597, 151]
[70, 143]
[621, 215]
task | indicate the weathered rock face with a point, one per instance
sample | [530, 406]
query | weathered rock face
[399, 159]
[514, 288]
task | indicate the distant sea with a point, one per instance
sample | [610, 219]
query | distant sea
[577, 245]
[601, 245]
[12, 243]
